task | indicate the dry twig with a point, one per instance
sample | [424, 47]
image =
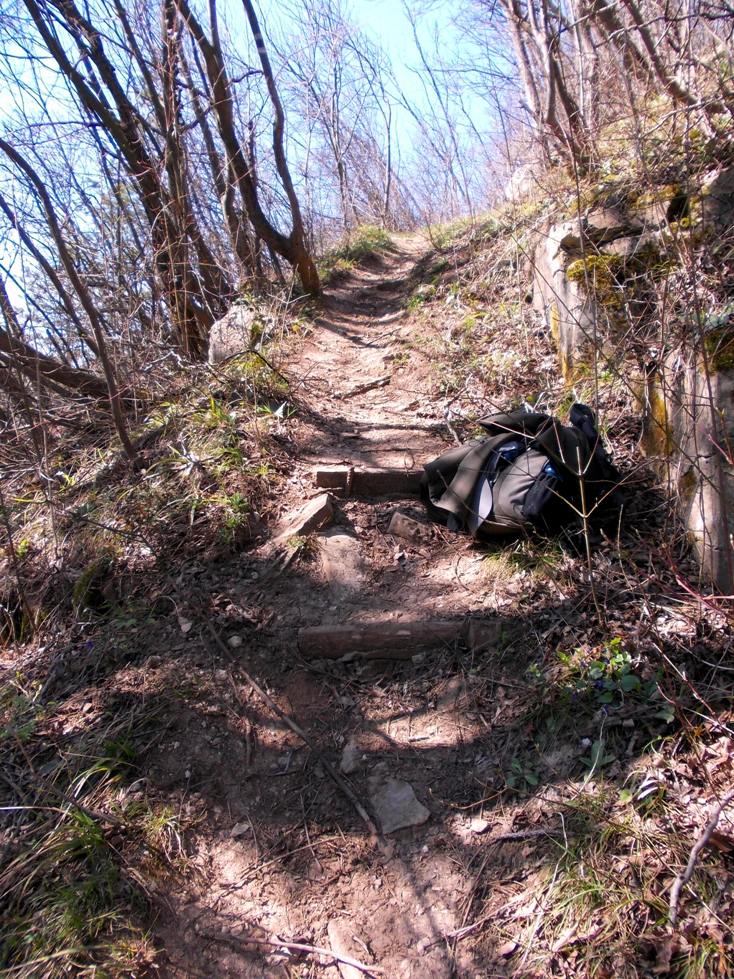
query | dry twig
[369, 970]
[700, 843]
[341, 783]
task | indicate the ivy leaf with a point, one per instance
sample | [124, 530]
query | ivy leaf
[630, 682]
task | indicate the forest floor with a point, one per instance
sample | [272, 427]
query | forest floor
[558, 767]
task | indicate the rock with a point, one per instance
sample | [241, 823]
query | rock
[523, 180]
[395, 804]
[232, 334]
[341, 562]
[341, 942]
[234, 642]
[479, 825]
[240, 829]
[584, 235]
[717, 201]
[689, 414]
[313, 515]
[633, 247]
[404, 526]
[568, 311]
[351, 757]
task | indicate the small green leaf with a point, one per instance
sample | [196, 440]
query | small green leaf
[630, 682]
[666, 714]
[625, 796]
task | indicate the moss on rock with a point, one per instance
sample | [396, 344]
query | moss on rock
[87, 590]
[600, 275]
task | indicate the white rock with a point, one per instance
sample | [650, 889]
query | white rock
[395, 804]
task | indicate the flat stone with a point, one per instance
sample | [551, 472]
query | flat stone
[313, 515]
[395, 804]
[240, 829]
[404, 526]
[351, 757]
[341, 562]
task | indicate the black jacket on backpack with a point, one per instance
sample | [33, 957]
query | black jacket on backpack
[529, 473]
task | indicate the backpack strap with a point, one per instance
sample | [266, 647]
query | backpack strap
[519, 423]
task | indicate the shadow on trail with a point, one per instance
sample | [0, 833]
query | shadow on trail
[457, 726]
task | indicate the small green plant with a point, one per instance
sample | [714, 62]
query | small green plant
[521, 776]
[609, 676]
[598, 756]
[217, 415]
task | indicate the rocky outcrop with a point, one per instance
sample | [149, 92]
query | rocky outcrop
[232, 334]
[575, 284]
[589, 272]
[593, 280]
[689, 432]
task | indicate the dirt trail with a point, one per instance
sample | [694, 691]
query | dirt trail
[282, 851]
[355, 346]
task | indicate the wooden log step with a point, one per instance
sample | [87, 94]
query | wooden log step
[377, 640]
[396, 483]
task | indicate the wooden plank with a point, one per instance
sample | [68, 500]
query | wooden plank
[377, 640]
[396, 483]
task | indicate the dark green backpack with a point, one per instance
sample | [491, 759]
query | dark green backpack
[530, 473]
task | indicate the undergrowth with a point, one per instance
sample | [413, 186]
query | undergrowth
[362, 243]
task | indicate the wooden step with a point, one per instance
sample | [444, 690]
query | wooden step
[391, 639]
[353, 481]
[378, 640]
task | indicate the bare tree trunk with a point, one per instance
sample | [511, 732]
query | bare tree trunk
[293, 247]
[36, 365]
[301, 257]
[191, 317]
[81, 290]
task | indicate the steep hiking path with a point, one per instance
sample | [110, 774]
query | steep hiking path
[357, 375]
[399, 746]
[289, 851]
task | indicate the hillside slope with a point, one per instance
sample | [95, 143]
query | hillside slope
[557, 762]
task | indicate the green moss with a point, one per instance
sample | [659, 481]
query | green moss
[688, 484]
[660, 195]
[86, 592]
[600, 275]
[555, 323]
[658, 436]
[720, 348]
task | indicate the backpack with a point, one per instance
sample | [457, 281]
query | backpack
[529, 473]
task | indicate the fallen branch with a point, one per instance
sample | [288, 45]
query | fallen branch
[369, 970]
[378, 382]
[341, 783]
[682, 879]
